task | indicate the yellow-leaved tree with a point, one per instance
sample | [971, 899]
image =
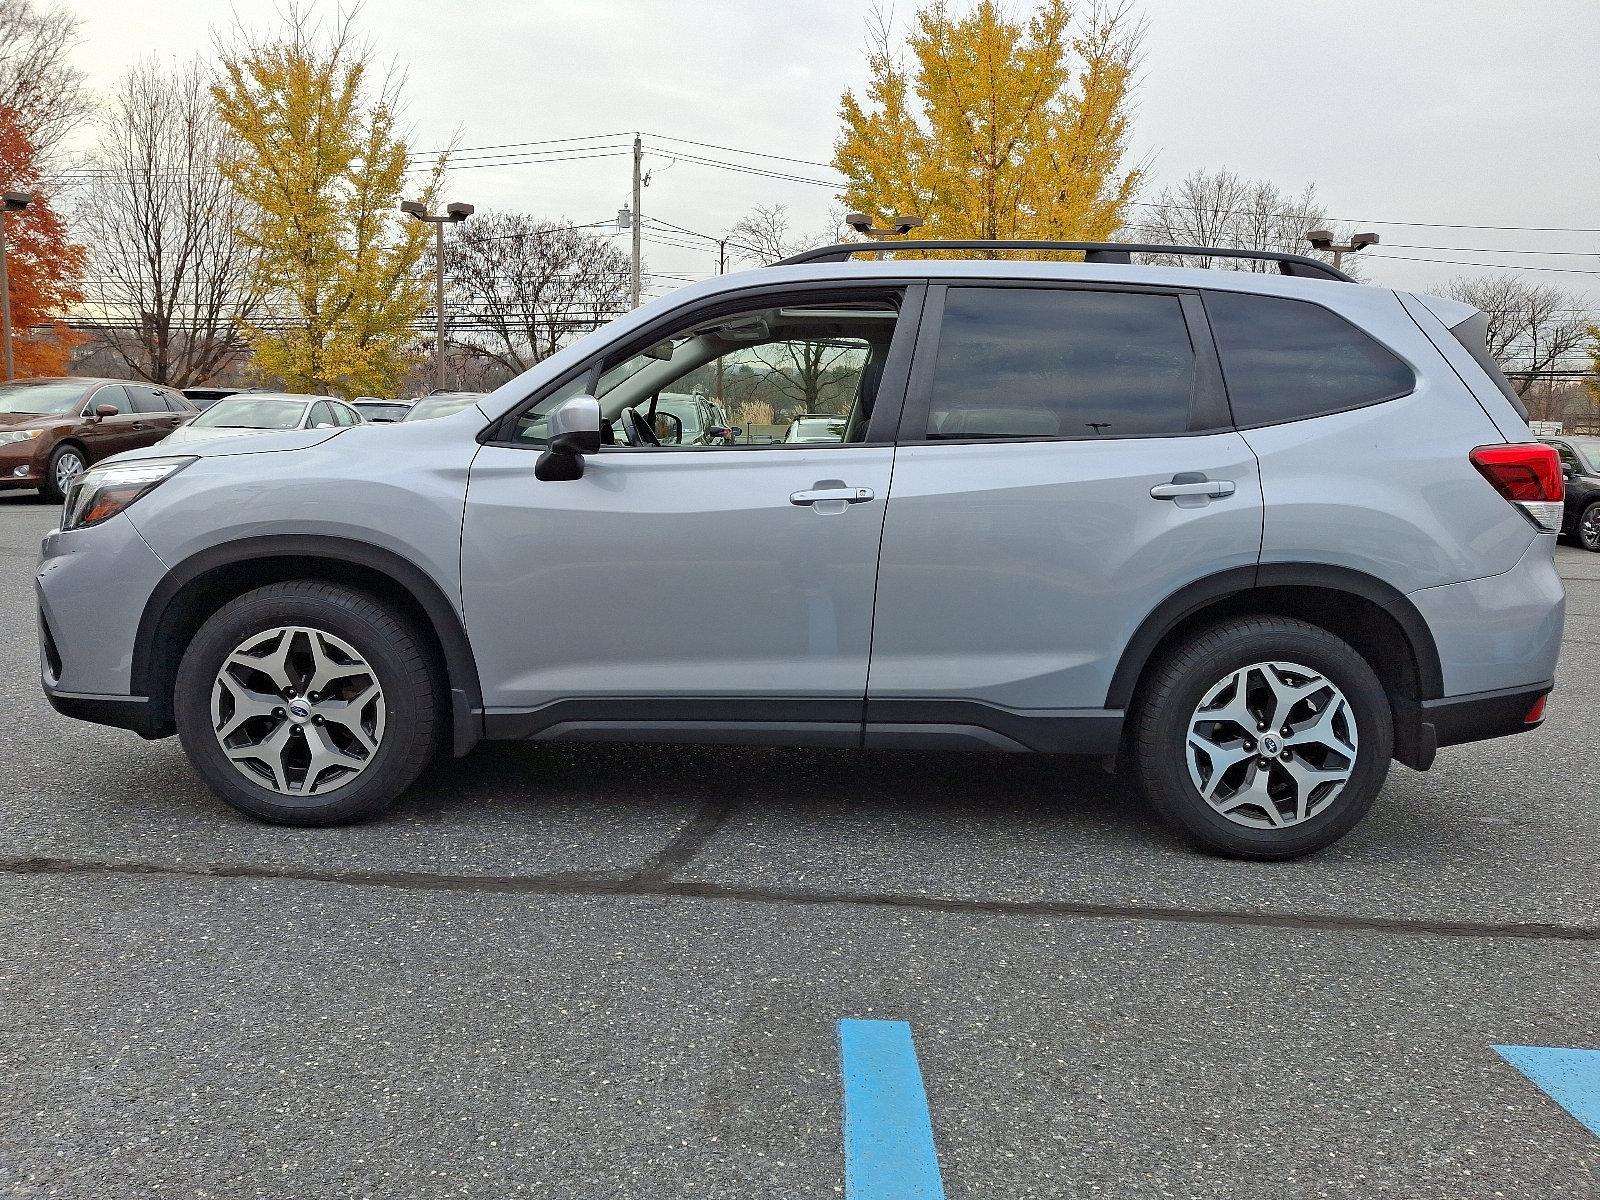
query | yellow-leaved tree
[1000, 128]
[319, 160]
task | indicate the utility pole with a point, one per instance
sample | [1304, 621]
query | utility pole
[453, 214]
[13, 202]
[1321, 239]
[638, 212]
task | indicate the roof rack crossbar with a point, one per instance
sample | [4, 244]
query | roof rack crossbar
[1094, 252]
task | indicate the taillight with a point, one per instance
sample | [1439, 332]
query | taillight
[1528, 474]
[1536, 713]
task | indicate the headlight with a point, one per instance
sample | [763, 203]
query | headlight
[18, 435]
[102, 492]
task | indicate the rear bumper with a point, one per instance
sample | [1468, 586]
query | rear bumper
[1484, 715]
[1422, 729]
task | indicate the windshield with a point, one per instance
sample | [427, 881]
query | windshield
[430, 407]
[252, 412]
[44, 397]
[685, 409]
[382, 412]
[1588, 449]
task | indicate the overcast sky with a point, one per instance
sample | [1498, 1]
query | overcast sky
[1472, 112]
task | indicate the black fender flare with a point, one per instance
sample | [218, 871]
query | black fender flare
[466, 692]
[1239, 581]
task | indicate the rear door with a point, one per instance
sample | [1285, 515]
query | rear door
[1065, 464]
[153, 417]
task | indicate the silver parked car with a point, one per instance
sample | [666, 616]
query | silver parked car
[251, 412]
[1249, 536]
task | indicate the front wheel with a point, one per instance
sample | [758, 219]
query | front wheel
[66, 464]
[1263, 738]
[308, 703]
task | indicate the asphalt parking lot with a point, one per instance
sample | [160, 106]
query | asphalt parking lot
[618, 972]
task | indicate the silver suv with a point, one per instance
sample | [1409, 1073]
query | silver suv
[1247, 536]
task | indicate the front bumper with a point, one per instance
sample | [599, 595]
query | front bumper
[92, 586]
[124, 712]
[25, 457]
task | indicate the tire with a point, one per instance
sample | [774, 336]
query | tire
[366, 747]
[1271, 659]
[1586, 532]
[54, 487]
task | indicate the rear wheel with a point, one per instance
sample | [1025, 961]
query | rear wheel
[308, 703]
[1588, 529]
[1263, 737]
[66, 464]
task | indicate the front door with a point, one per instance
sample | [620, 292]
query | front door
[1065, 466]
[677, 588]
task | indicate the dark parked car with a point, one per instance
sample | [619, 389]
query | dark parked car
[204, 397]
[52, 430]
[1580, 463]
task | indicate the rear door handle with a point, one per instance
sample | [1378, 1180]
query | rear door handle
[820, 495]
[1191, 488]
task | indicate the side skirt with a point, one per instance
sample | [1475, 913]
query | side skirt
[765, 721]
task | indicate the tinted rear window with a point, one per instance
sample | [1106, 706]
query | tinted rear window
[1037, 362]
[1285, 360]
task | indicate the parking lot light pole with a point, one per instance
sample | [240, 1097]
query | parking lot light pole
[453, 214]
[13, 202]
[1322, 240]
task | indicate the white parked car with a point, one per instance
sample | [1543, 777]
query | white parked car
[252, 412]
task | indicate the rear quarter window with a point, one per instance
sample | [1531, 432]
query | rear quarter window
[1473, 334]
[1285, 360]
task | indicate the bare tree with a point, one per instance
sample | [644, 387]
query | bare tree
[1219, 208]
[37, 77]
[522, 287]
[1533, 328]
[171, 279]
[764, 234]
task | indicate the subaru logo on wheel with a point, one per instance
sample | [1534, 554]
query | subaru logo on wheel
[300, 710]
[1269, 744]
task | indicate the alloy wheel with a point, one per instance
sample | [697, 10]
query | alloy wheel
[68, 467]
[1589, 527]
[1271, 745]
[298, 711]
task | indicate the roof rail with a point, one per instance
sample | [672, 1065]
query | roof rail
[1093, 252]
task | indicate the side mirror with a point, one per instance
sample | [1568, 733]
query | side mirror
[101, 411]
[669, 428]
[1567, 471]
[574, 430]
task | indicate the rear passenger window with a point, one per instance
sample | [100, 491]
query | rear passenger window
[1061, 363]
[145, 400]
[1284, 360]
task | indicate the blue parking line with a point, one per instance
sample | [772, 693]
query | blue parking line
[888, 1135]
[1569, 1077]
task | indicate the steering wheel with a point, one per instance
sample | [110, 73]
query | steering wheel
[637, 429]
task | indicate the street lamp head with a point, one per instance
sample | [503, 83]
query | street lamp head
[414, 208]
[17, 201]
[459, 211]
[860, 222]
[904, 224]
[1363, 239]
[1320, 239]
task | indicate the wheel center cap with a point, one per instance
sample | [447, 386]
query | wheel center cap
[1269, 744]
[299, 712]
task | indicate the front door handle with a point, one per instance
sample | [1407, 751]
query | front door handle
[1191, 489]
[848, 495]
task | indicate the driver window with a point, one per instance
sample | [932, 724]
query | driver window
[803, 373]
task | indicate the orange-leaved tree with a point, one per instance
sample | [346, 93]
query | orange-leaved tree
[1000, 128]
[44, 267]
